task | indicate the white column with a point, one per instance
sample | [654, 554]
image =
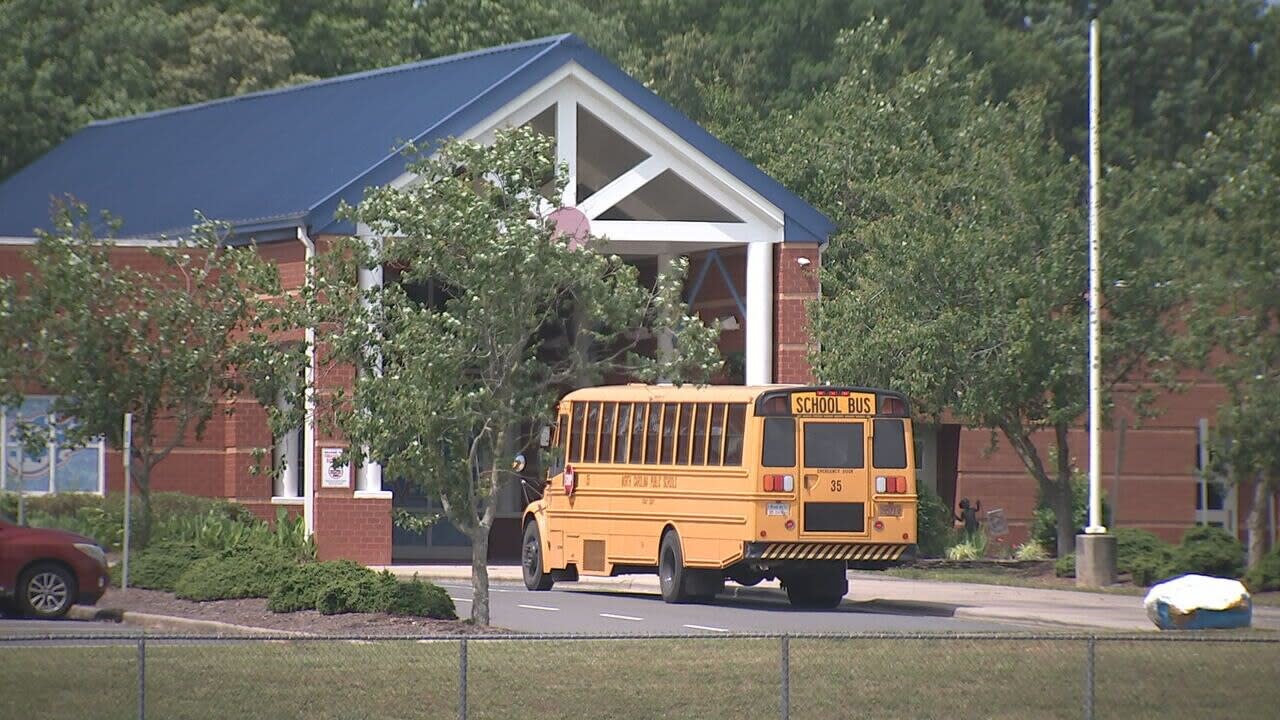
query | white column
[759, 313]
[309, 419]
[369, 479]
[567, 147]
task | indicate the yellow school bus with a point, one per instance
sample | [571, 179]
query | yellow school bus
[746, 483]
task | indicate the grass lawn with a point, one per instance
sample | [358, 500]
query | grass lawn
[705, 678]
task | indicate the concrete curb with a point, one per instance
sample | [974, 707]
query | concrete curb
[173, 623]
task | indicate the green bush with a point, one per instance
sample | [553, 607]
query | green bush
[972, 548]
[1031, 550]
[420, 599]
[1065, 567]
[243, 572]
[302, 587]
[1207, 550]
[160, 565]
[342, 586]
[1266, 574]
[102, 518]
[1044, 526]
[934, 524]
[1146, 558]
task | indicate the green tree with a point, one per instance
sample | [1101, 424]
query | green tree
[960, 272]
[168, 335]
[447, 382]
[1233, 327]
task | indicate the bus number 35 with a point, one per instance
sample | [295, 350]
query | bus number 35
[835, 486]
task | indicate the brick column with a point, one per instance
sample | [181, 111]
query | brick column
[795, 287]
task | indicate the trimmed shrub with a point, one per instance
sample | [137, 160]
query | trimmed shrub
[160, 565]
[353, 585]
[1065, 567]
[935, 526]
[342, 586]
[1146, 558]
[420, 599]
[1266, 575]
[243, 572]
[1207, 550]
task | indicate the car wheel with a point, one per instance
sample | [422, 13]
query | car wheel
[535, 578]
[671, 572]
[46, 591]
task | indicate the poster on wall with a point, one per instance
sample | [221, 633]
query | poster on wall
[335, 475]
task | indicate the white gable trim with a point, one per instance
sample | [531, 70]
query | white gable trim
[572, 85]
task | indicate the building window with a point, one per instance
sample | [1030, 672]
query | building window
[59, 467]
[287, 458]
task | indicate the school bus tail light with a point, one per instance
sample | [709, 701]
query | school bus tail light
[779, 483]
[891, 484]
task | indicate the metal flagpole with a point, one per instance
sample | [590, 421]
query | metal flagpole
[1095, 526]
[128, 482]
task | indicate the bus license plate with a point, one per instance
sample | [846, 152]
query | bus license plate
[778, 509]
[888, 510]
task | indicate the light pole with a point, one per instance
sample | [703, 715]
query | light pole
[1095, 549]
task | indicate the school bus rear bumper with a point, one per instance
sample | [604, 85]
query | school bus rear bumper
[863, 554]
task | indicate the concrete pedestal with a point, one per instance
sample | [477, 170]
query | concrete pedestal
[1095, 560]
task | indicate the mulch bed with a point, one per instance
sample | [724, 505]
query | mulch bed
[253, 612]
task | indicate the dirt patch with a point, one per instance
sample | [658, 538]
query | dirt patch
[253, 612]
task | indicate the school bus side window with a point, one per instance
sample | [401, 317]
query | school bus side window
[592, 431]
[622, 430]
[575, 432]
[606, 432]
[700, 434]
[735, 428]
[668, 433]
[779, 443]
[715, 437]
[651, 441]
[685, 430]
[637, 433]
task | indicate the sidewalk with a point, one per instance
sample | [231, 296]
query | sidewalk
[1064, 608]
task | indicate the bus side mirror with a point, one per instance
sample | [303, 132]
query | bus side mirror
[518, 463]
[544, 436]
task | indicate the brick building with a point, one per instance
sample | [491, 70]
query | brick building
[277, 164]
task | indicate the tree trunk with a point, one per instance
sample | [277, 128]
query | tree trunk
[1064, 514]
[1063, 499]
[1257, 522]
[480, 572]
[142, 479]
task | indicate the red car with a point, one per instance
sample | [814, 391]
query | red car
[48, 571]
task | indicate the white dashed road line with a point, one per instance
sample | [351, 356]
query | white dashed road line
[704, 627]
[539, 607]
[462, 599]
[619, 617]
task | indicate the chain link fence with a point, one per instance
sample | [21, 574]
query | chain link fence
[586, 677]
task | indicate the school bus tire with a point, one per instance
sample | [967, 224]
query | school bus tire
[671, 570]
[819, 588]
[531, 560]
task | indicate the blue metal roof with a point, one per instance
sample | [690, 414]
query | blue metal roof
[281, 158]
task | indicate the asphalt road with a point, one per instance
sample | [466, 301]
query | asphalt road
[566, 610]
